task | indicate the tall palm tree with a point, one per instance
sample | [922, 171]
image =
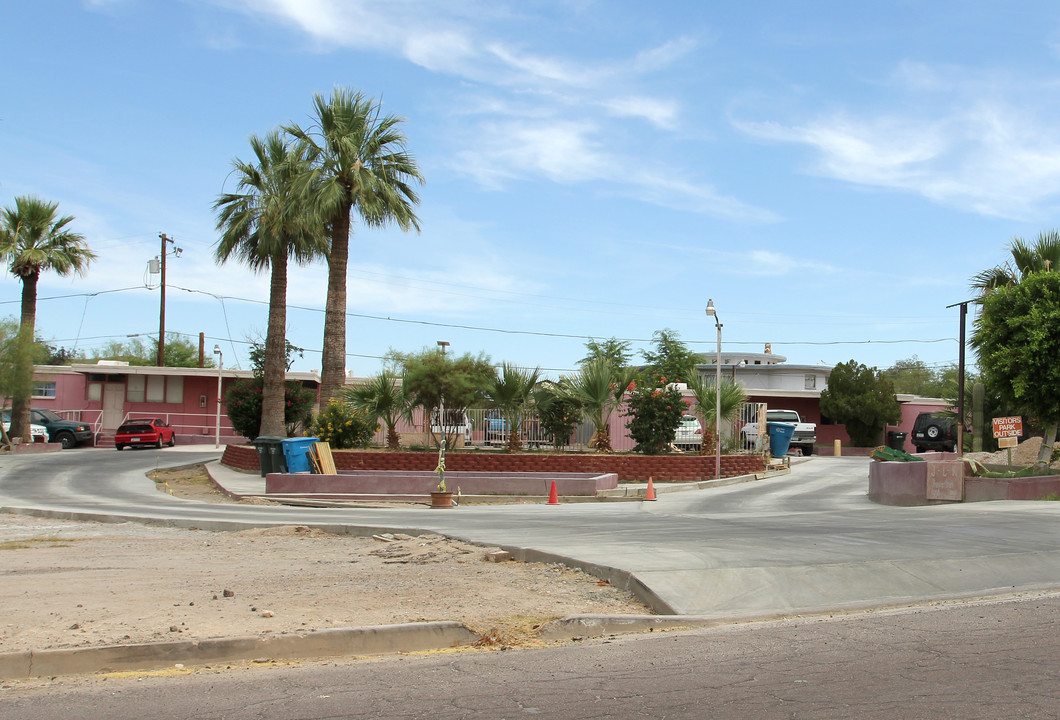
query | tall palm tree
[510, 392]
[263, 225]
[34, 239]
[705, 406]
[1043, 255]
[359, 159]
[384, 398]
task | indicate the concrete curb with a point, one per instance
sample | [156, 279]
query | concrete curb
[407, 637]
[579, 626]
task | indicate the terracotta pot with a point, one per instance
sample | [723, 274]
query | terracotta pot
[441, 499]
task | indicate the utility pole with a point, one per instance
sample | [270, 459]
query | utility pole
[160, 360]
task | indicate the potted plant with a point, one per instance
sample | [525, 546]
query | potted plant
[441, 498]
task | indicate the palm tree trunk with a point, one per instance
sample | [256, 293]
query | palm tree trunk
[1045, 455]
[23, 386]
[333, 360]
[274, 366]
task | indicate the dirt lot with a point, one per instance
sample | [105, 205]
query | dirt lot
[69, 584]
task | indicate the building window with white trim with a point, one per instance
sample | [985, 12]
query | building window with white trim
[44, 389]
[811, 382]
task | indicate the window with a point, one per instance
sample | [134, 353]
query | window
[134, 389]
[95, 391]
[175, 390]
[156, 389]
[43, 389]
[811, 382]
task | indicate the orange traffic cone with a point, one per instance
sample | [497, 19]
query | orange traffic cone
[553, 496]
[650, 495]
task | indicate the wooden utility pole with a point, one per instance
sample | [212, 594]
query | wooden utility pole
[161, 359]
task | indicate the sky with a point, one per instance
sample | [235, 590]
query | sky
[830, 174]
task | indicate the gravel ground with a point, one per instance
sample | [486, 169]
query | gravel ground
[69, 584]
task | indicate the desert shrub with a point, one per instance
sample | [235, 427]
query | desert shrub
[343, 427]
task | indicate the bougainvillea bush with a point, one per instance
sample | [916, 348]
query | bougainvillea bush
[655, 413]
[243, 405]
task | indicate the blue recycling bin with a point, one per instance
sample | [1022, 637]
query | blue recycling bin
[294, 452]
[779, 437]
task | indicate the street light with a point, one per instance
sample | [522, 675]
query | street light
[220, 364]
[713, 312]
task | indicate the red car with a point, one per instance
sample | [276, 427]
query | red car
[152, 431]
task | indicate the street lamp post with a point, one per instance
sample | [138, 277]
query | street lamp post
[713, 312]
[220, 365]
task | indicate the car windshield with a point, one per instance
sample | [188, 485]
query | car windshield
[49, 415]
[132, 429]
[783, 416]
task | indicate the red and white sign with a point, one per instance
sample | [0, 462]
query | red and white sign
[1008, 427]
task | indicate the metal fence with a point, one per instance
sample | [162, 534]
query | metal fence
[483, 428]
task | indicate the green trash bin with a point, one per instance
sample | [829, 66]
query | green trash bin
[896, 440]
[270, 454]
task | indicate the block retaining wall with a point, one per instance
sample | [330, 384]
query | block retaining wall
[629, 468]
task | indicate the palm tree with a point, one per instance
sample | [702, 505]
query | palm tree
[263, 225]
[33, 239]
[510, 392]
[598, 389]
[706, 403]
[1043, 255]
[358, 159]
[384, 398]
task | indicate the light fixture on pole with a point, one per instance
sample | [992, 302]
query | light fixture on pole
[220, 364]
[713, 312]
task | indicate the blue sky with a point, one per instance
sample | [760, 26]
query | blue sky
[831, 174]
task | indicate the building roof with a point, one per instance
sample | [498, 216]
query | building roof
[113, 367]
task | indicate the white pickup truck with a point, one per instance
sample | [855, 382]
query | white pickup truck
[805, 433]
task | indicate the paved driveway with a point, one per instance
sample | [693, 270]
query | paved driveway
[806, 542]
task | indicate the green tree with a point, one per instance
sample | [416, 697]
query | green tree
[358, 159]
[705, 405]
[431, 376]
[510, 391]
[671, 357]
[558, 412]
[1017, 337]
[264, 225]
[615, 351]
[384, 398]
[34, 239]
[862, 399]
[654, 408]
[913, 376]
[178, 352]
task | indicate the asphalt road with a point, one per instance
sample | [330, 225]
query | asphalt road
[805, 542]
[966, 662]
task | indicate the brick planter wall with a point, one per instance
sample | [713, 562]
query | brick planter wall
[629, 468]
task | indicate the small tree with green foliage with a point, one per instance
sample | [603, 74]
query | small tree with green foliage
[431, 376]
[1017, 336]
[243, 400]
[671, 358]
[615, 351]
[862, 399]
[705, 405]
[558, 413]
[913, 376]
[655, 410]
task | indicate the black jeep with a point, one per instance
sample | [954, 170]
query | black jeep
[934, 431]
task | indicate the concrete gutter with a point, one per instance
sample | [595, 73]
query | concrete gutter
[333, 642]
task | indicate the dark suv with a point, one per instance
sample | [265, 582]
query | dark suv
[60, 430]
[934, 431]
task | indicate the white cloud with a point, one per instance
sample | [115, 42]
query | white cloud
[660, 113]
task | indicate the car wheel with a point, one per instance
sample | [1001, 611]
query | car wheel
[933, 431]
[66, 440]
[172, 439]
[119, 448]
[807, 450]
[158, 443]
